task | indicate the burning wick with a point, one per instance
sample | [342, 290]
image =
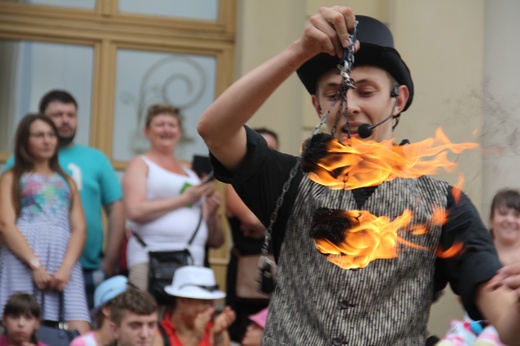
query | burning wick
[370, 163]
[353, 238]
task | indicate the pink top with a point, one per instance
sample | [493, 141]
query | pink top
[87, 339]
[260, 317]
[3, 341]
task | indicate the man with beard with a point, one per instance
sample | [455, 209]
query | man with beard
[98, 185]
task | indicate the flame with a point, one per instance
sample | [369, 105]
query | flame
[365, 163]
[369, 238]
[452, 251]
[438, 216]
[457, 190]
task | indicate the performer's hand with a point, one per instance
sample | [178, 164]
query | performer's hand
[328, 31]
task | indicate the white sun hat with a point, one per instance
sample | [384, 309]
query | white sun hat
[194, 282]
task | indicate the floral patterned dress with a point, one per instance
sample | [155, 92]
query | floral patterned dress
[44, 222]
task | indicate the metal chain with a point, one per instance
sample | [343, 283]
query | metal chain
[292, 174]
[348, 83]
[348, 60]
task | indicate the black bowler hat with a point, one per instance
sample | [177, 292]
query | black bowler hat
[376, 49]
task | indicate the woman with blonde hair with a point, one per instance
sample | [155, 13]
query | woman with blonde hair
[164, 199]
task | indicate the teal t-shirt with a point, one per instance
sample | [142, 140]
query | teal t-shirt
[98, 186]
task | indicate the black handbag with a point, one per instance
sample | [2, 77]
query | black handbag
[162, 266]
[56, 333]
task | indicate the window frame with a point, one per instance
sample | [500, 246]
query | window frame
[107, 30]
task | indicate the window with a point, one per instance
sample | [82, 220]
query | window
[185, 80]
[193, 9]
[28, 69]
[105, 52]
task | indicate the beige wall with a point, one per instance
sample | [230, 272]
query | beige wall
[442, 42]
[444, 52]
[501, 89]
[265, 27]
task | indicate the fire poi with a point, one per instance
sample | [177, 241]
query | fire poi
[354, 238]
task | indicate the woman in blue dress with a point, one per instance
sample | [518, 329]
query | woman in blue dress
[42, 226]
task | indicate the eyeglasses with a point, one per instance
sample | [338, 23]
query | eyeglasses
[42, 135]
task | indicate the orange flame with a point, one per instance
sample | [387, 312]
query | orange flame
[365, 163]
[457, 190]
[452, 251]
[438, 216]
[368, 239]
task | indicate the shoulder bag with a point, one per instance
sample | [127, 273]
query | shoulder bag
[56, 334]
[162, 266]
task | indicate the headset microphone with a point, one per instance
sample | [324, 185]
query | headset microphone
[395, 91]
[365, 130]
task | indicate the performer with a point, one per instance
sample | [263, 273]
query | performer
[387, 302]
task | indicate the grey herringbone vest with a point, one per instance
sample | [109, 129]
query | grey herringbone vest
[386, 303]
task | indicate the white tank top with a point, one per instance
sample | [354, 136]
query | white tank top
[173, 230]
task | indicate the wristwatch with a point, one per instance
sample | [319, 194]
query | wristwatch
[35, 264]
